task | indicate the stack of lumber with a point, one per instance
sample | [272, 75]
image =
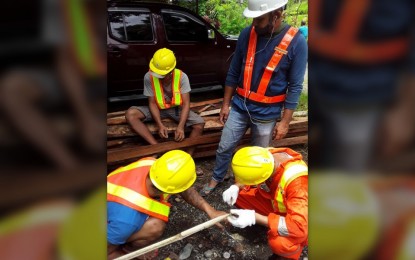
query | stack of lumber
[124, 145]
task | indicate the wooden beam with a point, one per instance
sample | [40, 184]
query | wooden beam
[121, 154]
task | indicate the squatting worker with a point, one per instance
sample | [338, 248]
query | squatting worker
[168, 92]
[279, 200]
[265, 79]
[137, 197]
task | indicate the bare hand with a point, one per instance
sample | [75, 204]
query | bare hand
[179, 134]
[224, 113]
[163, 132]
[280, 130]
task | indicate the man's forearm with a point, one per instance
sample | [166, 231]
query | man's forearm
[184, 115]
[155, 113]
[228, 95]
[192, 197]
[287, 116]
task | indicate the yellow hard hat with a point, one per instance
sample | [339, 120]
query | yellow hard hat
[252, 165]
[83, 234]
[173, 172]
[345, 212]
[163, 61]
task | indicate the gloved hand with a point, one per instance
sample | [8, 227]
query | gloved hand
[230, 195]
[245, 217]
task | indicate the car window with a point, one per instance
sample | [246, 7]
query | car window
[130, 26]
[183, 28]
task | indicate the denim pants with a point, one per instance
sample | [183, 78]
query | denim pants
[233, 131]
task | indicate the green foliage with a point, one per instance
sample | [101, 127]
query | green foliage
[227, 12]
[296, 11]
[303, 102]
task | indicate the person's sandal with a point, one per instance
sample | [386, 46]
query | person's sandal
[207, 190]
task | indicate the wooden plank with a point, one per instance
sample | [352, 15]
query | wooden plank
[203, 109]
[121, 154]
[203, 103]
[211, 124]
[115, 114]
[210, 112]
[113, 131]
[286, 142]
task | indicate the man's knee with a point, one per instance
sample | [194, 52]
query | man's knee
[283, 246]
[157, 228]
[133, 114]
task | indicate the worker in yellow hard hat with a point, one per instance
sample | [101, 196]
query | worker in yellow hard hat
[137, 196]
[279, 200]
[168, 92]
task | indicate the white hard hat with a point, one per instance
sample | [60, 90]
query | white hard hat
[259, 7]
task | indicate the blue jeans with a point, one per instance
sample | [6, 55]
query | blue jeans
[233, 131]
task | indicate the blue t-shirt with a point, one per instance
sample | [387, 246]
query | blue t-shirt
[122, 222]
[287, 78]
[304, 31]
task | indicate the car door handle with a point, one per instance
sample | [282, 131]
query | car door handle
[114, 50]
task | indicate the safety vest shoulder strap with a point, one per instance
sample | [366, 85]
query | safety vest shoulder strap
[148, 161]
[176, 83]
[280, 50]
[292, 171]
[83, 43]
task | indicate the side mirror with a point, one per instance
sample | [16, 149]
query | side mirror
[211, 34]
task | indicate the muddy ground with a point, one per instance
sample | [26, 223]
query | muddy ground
[212, 243]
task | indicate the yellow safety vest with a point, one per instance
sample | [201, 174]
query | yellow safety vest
[159, 92]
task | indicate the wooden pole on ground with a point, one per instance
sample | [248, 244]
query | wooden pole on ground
[172, 239]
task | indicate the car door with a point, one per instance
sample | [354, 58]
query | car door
[130, 46]
[197, 56]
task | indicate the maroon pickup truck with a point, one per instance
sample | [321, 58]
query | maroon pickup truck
[137, 29]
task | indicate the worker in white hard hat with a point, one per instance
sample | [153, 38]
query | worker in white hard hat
[265, 78]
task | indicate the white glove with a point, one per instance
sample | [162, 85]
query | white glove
[245, 218]
[230, 195]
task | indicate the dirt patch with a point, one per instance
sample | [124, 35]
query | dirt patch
[212, 243]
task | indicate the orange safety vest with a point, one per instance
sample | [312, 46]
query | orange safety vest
[127, 186]
[343, 41]
[280, 50]
[285, 174]
[159, 92]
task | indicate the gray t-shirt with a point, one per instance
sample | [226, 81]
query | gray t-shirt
[184, 86]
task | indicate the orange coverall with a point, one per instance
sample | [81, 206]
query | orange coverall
[288, 231]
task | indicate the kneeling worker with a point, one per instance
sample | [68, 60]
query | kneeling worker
[279, 201]
[137, 197]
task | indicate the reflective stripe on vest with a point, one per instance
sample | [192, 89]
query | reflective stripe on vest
[159, 92]
[126, 186]
[280, 50]
[292, 171]
[140, 202]
[82, 44]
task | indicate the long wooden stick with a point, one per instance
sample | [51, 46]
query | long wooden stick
[172, 239]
